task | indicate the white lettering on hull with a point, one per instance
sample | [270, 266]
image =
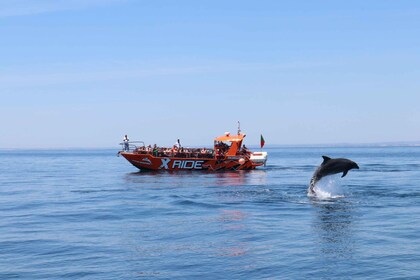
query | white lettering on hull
[188, 164]
[181, 164]
[165, 162]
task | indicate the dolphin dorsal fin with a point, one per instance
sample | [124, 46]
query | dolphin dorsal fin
[326, 159]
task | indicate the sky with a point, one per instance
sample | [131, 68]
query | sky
[82, 73]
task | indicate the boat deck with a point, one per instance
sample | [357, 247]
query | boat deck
[178, 153]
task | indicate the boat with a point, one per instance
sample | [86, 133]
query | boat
[228, 153]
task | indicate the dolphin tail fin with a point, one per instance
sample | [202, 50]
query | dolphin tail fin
[344, 173]
[326, 159]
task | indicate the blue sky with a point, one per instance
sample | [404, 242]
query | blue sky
[82, 73]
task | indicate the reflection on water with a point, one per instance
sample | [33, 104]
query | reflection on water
[232, 220]
[333, 224]
[230, 178]
[240, 178]
[223, 178]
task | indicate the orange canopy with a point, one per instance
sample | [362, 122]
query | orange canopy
[231, 138]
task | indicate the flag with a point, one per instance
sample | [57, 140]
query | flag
[262, 141]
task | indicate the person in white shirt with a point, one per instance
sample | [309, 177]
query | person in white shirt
[126, 143]
[177, 144]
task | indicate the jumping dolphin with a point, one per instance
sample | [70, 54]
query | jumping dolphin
[331, 166]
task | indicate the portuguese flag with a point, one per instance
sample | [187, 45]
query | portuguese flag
[262, 141]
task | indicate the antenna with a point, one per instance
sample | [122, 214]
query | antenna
[239, 128]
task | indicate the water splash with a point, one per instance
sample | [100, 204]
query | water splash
[328, 187]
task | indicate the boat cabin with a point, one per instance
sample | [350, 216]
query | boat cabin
[229, 146]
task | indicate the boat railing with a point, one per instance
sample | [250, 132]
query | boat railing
[132, 145]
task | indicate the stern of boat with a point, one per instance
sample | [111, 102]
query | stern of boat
[259, 157]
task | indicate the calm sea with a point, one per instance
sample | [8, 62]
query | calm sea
[78, 214]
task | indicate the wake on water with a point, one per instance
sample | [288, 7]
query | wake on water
[328, 187]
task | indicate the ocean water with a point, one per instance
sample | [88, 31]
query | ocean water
[79, 214]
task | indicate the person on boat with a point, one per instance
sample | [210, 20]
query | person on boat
[155, 150]
[173, 151]
[126, 142]
[201, 153]
[219, 154]
[161, 152]
[245, 150]
[178, 144]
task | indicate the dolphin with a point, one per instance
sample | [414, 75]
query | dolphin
[331, 166]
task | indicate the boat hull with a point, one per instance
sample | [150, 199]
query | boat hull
[150, 162]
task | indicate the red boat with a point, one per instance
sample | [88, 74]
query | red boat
[227, 154]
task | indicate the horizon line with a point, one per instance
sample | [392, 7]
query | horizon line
[254, 146]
